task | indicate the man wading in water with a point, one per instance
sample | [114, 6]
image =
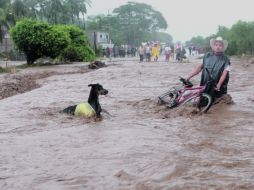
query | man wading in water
[218, 66]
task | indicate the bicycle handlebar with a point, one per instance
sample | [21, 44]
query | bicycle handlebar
[186, 82]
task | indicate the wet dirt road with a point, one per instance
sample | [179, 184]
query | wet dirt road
[138, 145]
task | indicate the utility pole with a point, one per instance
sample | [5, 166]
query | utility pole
[94, 41]
[6, 48]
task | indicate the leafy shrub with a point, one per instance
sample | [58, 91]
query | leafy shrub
[37, 39]
[78, 49]
[78, 53]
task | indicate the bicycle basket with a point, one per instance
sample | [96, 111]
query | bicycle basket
[168, 98]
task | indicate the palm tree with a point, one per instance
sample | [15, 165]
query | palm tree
[72, 7]
[82, 5]
[83, 8]
[38, 9]
[2, 23]
[19, 9]
[54, 10]
[77, 7]
[4, 3]
[6, 18]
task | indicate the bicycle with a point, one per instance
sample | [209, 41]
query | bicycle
[188, 95]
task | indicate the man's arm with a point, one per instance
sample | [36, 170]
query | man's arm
[195, 71]
[222, 79]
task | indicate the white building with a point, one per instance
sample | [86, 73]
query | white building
[101, 38]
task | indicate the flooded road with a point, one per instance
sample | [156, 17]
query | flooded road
[138, 144]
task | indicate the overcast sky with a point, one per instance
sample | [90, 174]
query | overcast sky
[188, 18]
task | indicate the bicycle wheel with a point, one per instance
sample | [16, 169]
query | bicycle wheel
[202, 102]
[168, 98]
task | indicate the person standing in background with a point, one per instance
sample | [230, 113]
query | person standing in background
[141, 52]
[148, 52]
[155, 52]
[167, 52]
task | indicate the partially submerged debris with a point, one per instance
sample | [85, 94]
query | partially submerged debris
[96, 65]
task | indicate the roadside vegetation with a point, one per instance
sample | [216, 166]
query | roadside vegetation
[59, 29]
[240, 38]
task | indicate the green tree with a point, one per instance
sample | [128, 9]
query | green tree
[37, 39]
[19, 9]
[160, 36]
[58, 11]
[242, 35]
[226, 33]
[132, 24]
[51, 11]
[78, 49]
[6, 17]
[38, 9]
[136, 20]
[2, 23]
[240, 38]
[76, 8]
[199, 42]
[54, 11]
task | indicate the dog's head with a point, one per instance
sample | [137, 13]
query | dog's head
[98, 89]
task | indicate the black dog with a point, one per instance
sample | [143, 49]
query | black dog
[93, 106]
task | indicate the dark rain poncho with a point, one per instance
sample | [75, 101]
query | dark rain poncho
[215, 63]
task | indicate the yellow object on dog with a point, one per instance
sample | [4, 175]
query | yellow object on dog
[84, 109]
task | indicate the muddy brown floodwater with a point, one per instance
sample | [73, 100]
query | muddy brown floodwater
[138, 144]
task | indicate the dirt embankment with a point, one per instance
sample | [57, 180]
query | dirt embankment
[22, 82]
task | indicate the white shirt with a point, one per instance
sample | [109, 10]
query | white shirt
[227, 68]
